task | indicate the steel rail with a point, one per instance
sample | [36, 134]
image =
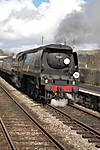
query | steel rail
[86, 111]
[7, 135]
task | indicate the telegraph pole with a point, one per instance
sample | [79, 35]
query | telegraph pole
[42, 39]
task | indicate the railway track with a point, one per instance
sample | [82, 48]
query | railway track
[58, 131]
[20, 130]
[5, 139]
[81, 120]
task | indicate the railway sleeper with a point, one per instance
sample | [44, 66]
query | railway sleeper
[98, 145]
[82, 132]
[76, 128]
[89, 136]
[94, 140]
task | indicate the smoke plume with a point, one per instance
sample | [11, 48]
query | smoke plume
[81, 29]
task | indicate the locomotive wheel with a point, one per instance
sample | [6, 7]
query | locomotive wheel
[29, 88]
[37, 96]
[36, 93]
[16, 81]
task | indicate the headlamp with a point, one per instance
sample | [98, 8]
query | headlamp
[46, 81]
[66, 61]
[76, 75]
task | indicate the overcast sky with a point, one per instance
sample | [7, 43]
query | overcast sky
[23, 23]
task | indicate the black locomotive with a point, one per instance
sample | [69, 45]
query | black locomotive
[46, 72]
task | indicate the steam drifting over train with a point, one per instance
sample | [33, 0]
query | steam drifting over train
[46, 73]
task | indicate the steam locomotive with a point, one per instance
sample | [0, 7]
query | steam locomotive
[45, 73]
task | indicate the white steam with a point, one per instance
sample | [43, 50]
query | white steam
[81, 28]
[22, 24]
[60, 102]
